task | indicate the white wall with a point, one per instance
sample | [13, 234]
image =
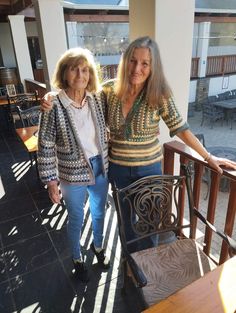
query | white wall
[192, 90]
[31, 29]
[195, 40]
[221, 50]
[215, 85]
[6, 45]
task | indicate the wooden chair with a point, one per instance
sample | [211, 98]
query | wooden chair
[154, 204]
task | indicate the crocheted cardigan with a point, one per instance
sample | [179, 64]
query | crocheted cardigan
[60, 153]
[134, 139]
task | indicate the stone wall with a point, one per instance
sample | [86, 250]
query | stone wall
[201, 92]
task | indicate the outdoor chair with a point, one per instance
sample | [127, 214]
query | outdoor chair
[233, 94]
[18, 104]
[224, 96]
[211, 112]
[29, 117]
[154, 206]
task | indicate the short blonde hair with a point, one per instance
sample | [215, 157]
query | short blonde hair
[156, 84]
[73, 57]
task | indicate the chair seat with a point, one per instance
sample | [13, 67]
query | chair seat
[181, 262]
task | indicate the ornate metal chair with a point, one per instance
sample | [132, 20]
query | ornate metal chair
[154, 207]
[30, 116]
[18, 106]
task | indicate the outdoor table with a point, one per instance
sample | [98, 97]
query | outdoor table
[29, 137]
[229, 106]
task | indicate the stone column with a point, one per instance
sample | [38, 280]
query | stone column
[21, 48]
[72, 34]
[202, 47]
[170, 23]
[52, 34]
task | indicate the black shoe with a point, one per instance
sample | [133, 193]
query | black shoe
[103, 261]
[81, 271]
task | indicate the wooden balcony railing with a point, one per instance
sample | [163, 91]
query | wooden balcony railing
[212, 208]
[216, 65]
[220, 65]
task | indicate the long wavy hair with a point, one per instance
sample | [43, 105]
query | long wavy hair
[74, 57]
[156, 85]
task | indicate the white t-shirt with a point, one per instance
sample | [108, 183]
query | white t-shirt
[84, 124]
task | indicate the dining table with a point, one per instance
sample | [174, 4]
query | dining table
[215, 292]
[229, 106]
[29, 138]
[3, 101]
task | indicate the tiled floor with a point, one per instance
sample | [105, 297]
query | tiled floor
[35, 264]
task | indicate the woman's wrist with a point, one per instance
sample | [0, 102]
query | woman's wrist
[208, 157]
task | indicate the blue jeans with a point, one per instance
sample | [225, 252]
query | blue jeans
[74, 196]
[123, 176]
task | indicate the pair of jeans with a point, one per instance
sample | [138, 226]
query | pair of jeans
[123, 176]
[74, 197]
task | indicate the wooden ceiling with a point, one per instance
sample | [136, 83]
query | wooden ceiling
[13, 7]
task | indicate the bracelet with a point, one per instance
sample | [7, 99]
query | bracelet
[207, 158]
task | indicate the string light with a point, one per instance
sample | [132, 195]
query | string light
[104, 38]
[216, 37]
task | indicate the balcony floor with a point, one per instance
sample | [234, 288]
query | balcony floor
[35, 263]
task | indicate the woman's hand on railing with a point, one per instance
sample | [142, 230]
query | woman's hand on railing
[46, 102]
[216, 163]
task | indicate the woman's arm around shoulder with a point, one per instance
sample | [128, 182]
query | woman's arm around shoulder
[46, 103]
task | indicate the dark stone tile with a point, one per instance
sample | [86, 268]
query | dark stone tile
[3, 269]
[108, 296]
[18, 172]
[3, 146]
[15, 191]
[19, 229]
[21, 155]
[47, 289]
[42, 200]
[16, 208]
[60, 241]
[6, 299]
[34, 184]
[7, 177]
[16, 145]
[6, 165]
[29, 255]
[54, 217]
